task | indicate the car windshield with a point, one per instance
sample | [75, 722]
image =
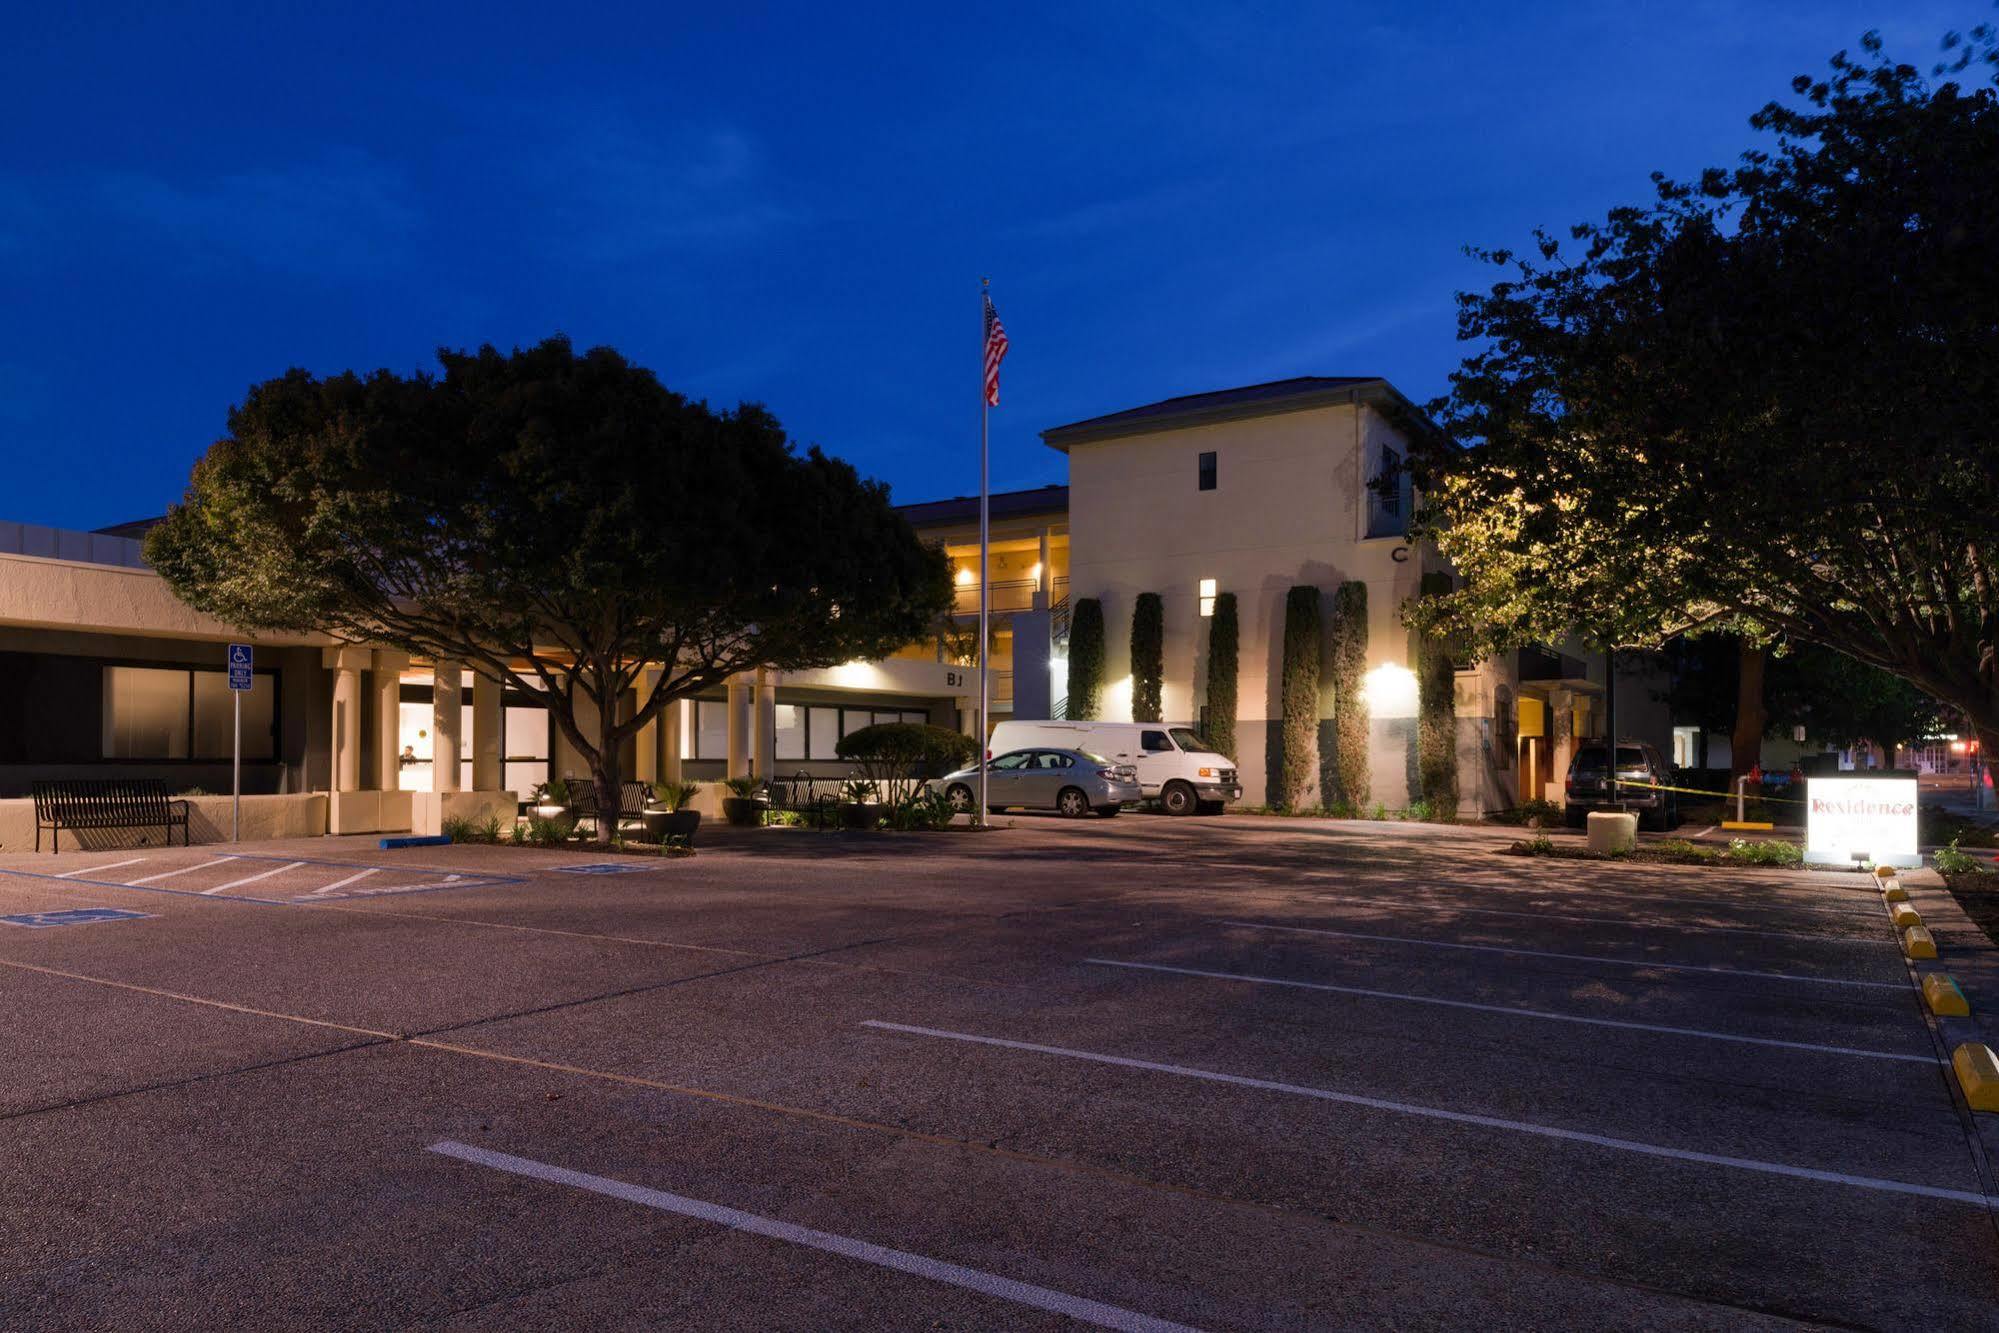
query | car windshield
[1188, 739]
[1629, 759]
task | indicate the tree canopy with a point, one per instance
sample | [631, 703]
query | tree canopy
[1764, 401]
[557, 521]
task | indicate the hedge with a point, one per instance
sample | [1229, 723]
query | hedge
[898, 756]
[1086, 659]
[1437, 713]
[1349, 769]
[1148, 656]
[1303, 644]
[1223, 633]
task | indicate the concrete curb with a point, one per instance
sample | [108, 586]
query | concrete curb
[1960, 992]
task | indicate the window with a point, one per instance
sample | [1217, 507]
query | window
[1384, 494]
[162, 713]
[1208, 471]
[1154, 742]
[1007, 763]
[822, 727]
[1207, 597]
[1053, 759]
[790, 731]
[711, 729]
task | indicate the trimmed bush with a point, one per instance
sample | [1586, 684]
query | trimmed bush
[1349, 769]
[1303, 644]
[1148, 656]
[1437, 713]
[1086, 659]
[1223, 652]
[895, 758]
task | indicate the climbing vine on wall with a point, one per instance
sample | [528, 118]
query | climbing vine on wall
[1223, 633]
[1303, 644]
[1437, 712]
[1348, 632]
[1148, 657]
[1086, 659]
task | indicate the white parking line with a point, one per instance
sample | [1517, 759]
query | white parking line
[1459, 1117]
[169, 874]
[1518, 1012]
[343, 883]
[252, 879]
[936, 1270]
[1392, 904]
[91, 870]
[1576, 957]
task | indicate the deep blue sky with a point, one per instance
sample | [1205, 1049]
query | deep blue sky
[783, 203]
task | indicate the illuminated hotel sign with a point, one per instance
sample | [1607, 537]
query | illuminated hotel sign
[1849, 820]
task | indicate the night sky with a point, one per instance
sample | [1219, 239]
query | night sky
[785, 204]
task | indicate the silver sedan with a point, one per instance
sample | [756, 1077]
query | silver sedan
[1069, 782]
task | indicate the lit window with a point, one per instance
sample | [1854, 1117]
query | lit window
[1208, 471]
[1207, 597]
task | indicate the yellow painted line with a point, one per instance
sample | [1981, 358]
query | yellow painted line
[1917, 943]
[1893, 892]
[1944, 998]
[1977, 1074]
[1746, 825]
[1904, 916]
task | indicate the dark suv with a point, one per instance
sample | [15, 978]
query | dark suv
[1637, 763]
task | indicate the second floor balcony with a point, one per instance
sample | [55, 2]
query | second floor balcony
[1008, 595]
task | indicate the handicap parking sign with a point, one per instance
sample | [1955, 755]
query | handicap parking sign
[240, 661]
[602, 868]
[74, 916]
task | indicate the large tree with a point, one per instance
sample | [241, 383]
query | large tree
[557, 521]
[1765, 401]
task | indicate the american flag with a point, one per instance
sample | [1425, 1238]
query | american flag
[995, 352]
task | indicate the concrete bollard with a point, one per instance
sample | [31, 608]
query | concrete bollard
[1612, 831]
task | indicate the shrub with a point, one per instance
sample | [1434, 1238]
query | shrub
[1148, 656]
[860, 791]
[1950, 861]
[1303, 644]
[1422, 812]
[1538, 845]
[550, 832]
[675, 795]
[1772, 853]
[743, 788]
[1086, 659]
[921, 810]
[896, 757]
[1437, 712]
[1350, 713]
[1223, 653]
[463, 829]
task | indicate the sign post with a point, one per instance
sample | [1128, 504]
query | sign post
[240, 661]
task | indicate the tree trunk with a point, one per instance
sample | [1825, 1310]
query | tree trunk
[1751, 720]
[604, 772]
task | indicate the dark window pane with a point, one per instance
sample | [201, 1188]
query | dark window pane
[1207, 471]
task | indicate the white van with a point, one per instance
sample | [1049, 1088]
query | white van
[1175, 766]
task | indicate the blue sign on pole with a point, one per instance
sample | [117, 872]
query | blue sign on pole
[240, 661]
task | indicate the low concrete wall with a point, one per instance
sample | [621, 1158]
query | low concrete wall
[264, 817]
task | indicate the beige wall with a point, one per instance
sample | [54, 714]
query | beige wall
[1289, 508]
[208, 820]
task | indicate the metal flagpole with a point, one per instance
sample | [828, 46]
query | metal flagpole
[985, 541]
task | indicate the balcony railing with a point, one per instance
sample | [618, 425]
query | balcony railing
[1010, 595]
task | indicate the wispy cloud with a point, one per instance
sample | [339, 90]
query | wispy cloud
[341, 214]
[621, 193]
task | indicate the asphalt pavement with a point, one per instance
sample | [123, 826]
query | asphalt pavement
[1142, 1073]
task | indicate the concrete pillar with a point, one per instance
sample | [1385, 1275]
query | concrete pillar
[739, 727]
[385, 683]
[1045, 586]
[1561, 742]
[764, 730]
[488, 734]
[446, 727]
[667, 741]
[346, 728]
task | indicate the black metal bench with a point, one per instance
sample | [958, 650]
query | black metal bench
[633, 797]
[105, 803]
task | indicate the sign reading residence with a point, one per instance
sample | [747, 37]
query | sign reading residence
[1853, 819]
[240, 661]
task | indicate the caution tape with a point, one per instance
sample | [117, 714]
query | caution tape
[1694, 791]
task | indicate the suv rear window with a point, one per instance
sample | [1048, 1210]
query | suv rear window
[1591, 760]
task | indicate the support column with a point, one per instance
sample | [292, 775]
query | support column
[764, 730]
[1045, 585]
[1561, 732]
[739, 727]
[385, 683]
[446, 726]
[488, 734]
[349, 809]
[346, 728]
[666, 736]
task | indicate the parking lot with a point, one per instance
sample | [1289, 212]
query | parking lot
[1149, 1073]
